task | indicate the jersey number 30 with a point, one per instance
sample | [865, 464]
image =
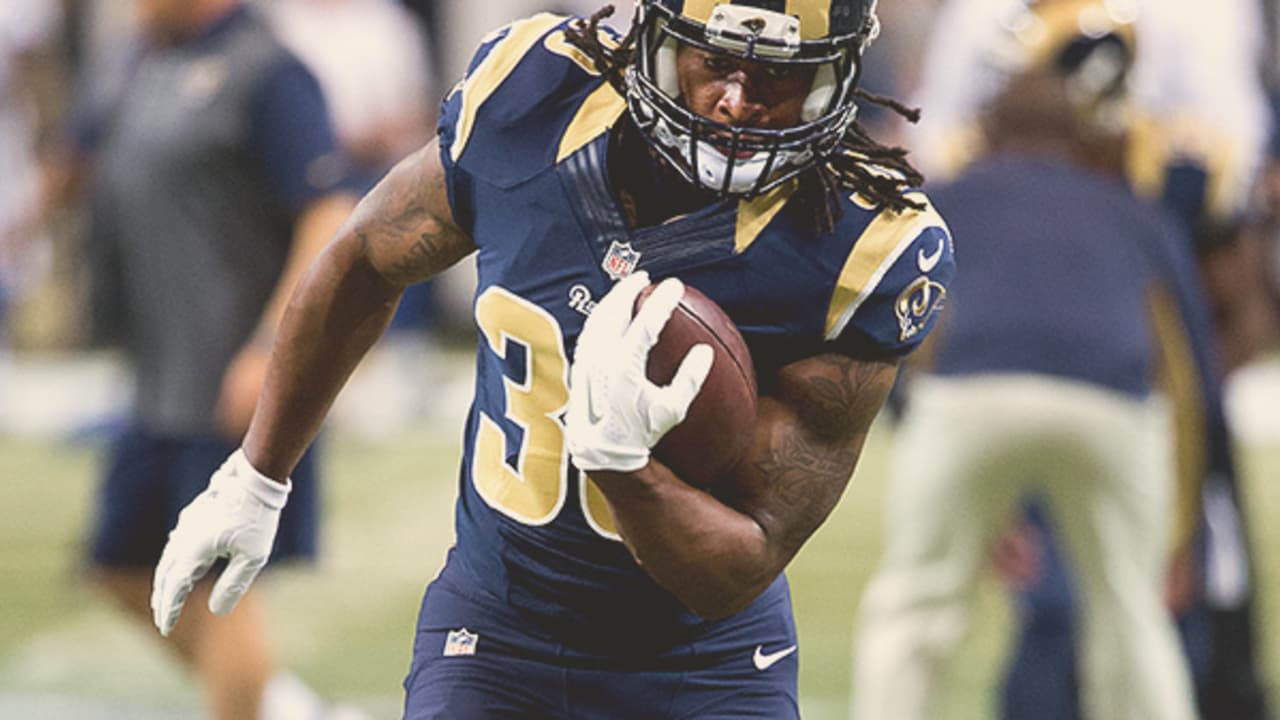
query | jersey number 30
[533, 490]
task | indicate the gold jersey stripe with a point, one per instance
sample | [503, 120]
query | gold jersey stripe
[596, 115]
[1181, 385]
[1155, 143]
[495, 68]
[755, 214]
[875, 251]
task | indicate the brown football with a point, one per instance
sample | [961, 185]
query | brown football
[719, 425]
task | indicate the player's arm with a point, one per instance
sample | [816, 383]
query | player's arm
[715, 554]
[401, 233]
[242, 381]
[719, 555]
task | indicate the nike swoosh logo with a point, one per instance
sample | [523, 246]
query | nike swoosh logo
[765, 661]
[593, 417]
[929, 262]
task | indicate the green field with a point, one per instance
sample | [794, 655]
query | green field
[345, 626]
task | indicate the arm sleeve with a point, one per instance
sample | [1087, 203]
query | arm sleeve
[291, 131]
[893, 283]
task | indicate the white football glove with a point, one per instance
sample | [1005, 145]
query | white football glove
[235, 517]
[615, 413]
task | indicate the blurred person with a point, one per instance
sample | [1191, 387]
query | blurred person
[213, 179]
[29, 105]
[1075, 341]
[371, 58]
[716, 144]
[1196, 125]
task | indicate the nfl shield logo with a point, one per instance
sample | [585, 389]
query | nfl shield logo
[620, 260]
[460, 642]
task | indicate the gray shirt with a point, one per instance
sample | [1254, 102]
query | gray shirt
[200, 167]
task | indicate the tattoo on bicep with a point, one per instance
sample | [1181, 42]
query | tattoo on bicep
[805, 480]
[419, 260]
[807, 466]
[841, 395]
[413, 243]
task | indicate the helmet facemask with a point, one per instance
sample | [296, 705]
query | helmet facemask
[731, 160]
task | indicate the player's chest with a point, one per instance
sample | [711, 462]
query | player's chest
[560, 241]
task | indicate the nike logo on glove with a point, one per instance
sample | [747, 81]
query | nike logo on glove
[764, 661]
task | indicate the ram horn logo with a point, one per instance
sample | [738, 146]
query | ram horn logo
[916, 304]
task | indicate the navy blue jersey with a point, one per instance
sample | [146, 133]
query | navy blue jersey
[1058, 276]
[524, 140]
[1068, 273]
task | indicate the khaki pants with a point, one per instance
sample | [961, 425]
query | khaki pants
[966, 454]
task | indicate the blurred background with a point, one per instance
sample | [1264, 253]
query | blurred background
[345, 625]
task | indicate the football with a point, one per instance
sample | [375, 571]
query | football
[720, 422]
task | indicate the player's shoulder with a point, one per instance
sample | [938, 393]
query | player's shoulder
[897, 265]
[506, 119]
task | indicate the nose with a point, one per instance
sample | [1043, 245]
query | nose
[736, 106]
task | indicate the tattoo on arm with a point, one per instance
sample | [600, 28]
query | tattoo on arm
[808, 462]
[405, 225]
[839, 396]
[805, 480]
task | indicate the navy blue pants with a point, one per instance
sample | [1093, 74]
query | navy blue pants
[503, 668]
[149, 479]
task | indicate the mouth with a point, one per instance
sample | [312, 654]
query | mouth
[723, 141]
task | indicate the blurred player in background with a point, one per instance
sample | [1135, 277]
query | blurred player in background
[1078, 337]
[213, 180]
[371, 58]
[1196, 125]
[716, 143]
[28, 107]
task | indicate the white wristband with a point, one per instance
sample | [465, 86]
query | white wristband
[237, 469]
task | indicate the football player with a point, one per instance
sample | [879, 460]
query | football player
[1197, 122]
[1072, 351]
[714, 145]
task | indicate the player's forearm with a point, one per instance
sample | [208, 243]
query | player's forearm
[315, 227]
[339, 309]
[713, 558]
[402, 232]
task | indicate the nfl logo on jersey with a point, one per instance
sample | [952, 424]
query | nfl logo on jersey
[620, 260]
[460, 642]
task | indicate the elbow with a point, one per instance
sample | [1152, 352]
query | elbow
[724, 603]
[718, 597]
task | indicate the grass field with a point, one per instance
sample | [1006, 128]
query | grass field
[345, 626]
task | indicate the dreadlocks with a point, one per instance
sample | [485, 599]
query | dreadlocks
[878, 173]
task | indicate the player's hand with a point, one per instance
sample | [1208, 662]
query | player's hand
[615, 413]
[241, 383]
[236, 518]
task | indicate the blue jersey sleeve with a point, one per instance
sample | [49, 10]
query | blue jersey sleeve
[457, 182]
[514, 113]
[291, 131]
[893, 283]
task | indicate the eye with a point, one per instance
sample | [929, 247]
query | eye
[718, 63]
[778, 71]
